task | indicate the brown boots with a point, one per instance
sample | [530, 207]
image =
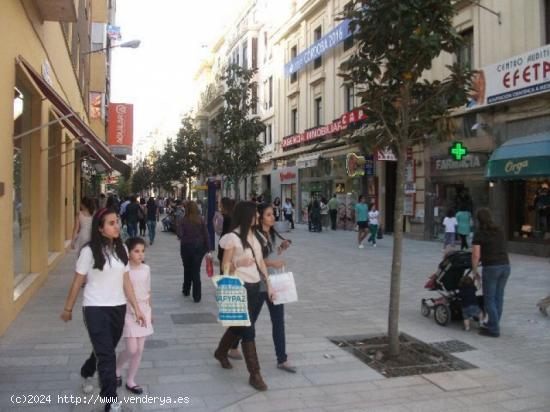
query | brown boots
[250, 357]
[253, 366]
[220, 354]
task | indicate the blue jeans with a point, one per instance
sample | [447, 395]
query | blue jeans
[373, 232]
[277, 315]
[494, 280]
[151, 226]
[132, 229]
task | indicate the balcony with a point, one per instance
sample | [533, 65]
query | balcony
[56, 10]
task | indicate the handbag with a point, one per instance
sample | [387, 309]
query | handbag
[232, 301]
[284, 287]
[209, 262]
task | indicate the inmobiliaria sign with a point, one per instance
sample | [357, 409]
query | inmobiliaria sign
[320, 132]
[121, 128]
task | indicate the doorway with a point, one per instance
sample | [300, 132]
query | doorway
[391, 177]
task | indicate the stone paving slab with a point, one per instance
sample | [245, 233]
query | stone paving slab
[343, 291]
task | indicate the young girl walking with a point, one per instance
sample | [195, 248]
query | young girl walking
[134, 334]
[103, 265]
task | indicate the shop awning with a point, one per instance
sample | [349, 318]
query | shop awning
[520, 158]
[70, 120]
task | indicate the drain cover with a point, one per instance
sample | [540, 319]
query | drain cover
[452, 346]
[155, 344]
[193, 318]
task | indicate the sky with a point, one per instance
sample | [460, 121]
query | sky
[158, 77]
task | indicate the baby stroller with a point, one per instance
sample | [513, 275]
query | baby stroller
[445, 281]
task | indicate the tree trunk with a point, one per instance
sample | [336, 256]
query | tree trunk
[395, 287]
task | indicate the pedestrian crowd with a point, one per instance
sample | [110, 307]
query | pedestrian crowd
[116, 282]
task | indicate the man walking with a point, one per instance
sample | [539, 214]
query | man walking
[333, 210]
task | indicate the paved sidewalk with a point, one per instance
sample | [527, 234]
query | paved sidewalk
[343, 291]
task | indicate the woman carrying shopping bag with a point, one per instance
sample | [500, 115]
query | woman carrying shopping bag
[267, 235]
[243, 253]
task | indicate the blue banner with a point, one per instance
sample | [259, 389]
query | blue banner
[325, 43]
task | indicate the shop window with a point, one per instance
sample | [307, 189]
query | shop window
[318, 62]
[54, 188]
[349, 95]
[465, 53]
[294, 121]
[293, 54]
[318, 111]
[269, 134]
[468, 122]
[529, 213]
[21, 183]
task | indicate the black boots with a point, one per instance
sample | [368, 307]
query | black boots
[253, 366]
[225, 344]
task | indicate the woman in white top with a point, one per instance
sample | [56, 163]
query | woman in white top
[82, 232]
[103, 265]
[243, 255]
[373, 224]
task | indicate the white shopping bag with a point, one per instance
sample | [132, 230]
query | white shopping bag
[284, 287]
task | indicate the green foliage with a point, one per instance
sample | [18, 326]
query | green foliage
[397, 40]
[122, 187]
[142, 177]
[189, 151]
[238, 150]
[165, 165]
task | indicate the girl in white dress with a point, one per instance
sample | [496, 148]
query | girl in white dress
[134, 333]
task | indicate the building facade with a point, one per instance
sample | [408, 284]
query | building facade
[54, 145]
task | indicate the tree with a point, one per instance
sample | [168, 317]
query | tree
[397, 40]
[165, 167]
[142, 177]
[122, 187]
[189, 152]
[238, 149]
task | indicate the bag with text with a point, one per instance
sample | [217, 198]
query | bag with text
[232, 301]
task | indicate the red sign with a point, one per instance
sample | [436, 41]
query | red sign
[121, 127]
[322, 131]
[287, 176]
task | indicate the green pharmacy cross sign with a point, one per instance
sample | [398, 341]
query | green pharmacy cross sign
[458, 151]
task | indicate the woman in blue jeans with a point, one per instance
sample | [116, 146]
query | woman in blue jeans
[152, 215]
[267, 236]
[489, 247]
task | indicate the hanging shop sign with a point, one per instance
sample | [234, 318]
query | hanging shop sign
[113, 32]
[458, 151]
[121, 125]
[519, 76]
[354, 165]
[320, 47]
[386, 154]
[369, 165]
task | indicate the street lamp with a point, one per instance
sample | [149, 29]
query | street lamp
[132, 44]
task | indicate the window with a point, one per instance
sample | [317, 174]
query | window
[547, 19]
[318, 111]
[254, 52]
[318, 62]
[464, 54]
[254, 100]
[348, 42]
[268, 139]
[245, 54]
[294, 121]
[293, 54]
[236, 56]
[270, 92]
[349, 96]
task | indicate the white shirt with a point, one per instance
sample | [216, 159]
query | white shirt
[248, 274]
[287, 207]
[450, 224]
[103, 287]
[373, 217]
